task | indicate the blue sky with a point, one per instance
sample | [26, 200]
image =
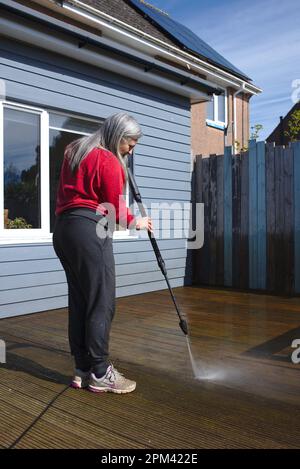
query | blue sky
[261, 38]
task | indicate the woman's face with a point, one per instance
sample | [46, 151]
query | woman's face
[126, 146]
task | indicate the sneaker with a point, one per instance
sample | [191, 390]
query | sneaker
[80, 379]
[112, 381]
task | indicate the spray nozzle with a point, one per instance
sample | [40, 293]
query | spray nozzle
[183, 326]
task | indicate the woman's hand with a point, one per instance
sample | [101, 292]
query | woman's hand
[144, 223]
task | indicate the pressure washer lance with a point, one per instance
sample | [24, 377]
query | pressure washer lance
[137, 196]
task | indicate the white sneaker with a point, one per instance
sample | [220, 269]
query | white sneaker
[80, 379]
[112, 381]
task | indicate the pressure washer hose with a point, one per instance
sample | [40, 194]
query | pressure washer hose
[137, 196]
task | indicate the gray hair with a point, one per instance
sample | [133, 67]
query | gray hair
[109, 136]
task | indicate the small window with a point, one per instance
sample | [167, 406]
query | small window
[221, 107]
[210, 110]
[216, 111]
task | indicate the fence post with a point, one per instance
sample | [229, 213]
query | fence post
[197, 198]
[296, 153]
[252, 215]
[228, 216]
[261, 217]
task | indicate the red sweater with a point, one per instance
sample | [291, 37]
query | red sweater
[100, 178]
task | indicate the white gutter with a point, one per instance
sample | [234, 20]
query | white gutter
[169, 50]
[69, 48]
[240, 90]
[217, 75]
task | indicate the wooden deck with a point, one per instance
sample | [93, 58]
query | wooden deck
[249, 396]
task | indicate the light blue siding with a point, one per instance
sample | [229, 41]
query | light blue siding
[31, 276]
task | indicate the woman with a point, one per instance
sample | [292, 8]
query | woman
[92, 175]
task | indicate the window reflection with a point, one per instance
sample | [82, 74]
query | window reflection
[58, 140]
[75, 124]
[22, 202]
[63, 130]
[221, 108]
[210, 109]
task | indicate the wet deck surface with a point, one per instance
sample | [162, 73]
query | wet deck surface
[248, 395]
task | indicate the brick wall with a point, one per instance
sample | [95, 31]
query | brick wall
[208, 140]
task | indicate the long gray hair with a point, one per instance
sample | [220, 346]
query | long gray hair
[115, 128]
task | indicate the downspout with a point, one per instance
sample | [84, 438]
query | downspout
[240, 90]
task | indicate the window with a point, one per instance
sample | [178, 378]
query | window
[216, 111]
[62, 131]
[22, 158]
[23, 172]
[210, 109]
[221, 107]
[31, 155]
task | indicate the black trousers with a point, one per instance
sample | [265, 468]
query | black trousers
[83, 244]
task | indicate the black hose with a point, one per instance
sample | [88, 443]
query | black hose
[137, 196]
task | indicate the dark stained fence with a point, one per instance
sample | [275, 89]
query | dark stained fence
[251, 218]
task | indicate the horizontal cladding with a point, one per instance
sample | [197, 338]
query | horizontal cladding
[31, 276]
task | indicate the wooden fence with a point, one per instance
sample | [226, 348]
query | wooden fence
[252, 218]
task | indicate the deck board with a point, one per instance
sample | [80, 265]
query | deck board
[241, 341]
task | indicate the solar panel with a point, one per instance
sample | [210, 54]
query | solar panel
[189, 40]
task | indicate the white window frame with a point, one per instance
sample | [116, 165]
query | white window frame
[13, 236]
[124, 234]
[216, 122]
[39, 235]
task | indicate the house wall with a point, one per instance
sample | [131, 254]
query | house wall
[208, 140]
[31, 276]
[243, 119]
